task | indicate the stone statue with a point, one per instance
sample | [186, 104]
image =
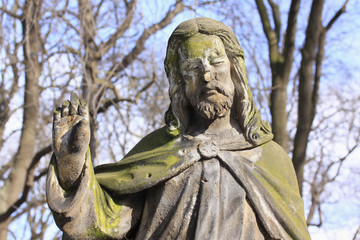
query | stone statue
[213, 172]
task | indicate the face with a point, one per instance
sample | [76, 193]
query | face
[205, 69]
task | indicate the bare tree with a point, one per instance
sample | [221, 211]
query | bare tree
[281, 61]
[296, 69]
[104, 50]
[93, 47]
[106, 59]
[309, 82]
[20, 177]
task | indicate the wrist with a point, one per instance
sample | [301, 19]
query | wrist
[69, 170]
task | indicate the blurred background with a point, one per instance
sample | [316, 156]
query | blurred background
[302, 60]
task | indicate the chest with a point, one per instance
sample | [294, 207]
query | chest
[199, 203]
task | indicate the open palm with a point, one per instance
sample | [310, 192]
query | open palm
[71, 137]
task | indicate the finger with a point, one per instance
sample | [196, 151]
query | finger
[65, 108]
[56, 114]
[56, 119]
[83, 109]
[74, 103]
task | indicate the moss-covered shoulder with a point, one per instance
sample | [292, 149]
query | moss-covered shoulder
[151, 141]
[278, 164]
[151, 145]
[278, 176]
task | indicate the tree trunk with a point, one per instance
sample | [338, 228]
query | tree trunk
[4, 225]
[280, 63]
[306, 103]
[278, 98]
[89, 82]
[15, 183]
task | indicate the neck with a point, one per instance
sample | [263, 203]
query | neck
[200, 125]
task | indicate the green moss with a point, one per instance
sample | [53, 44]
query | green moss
[153, 140]
[279, 179]
[139, 170]
[133, 173]
[199, 44]
[107, 211]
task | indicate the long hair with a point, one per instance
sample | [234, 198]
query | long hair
[244, 109]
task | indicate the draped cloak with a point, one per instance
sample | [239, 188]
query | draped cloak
[180, 188]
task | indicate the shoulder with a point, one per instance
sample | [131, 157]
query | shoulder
[275, 160]
[273, 149]
[153, 140]
[155, 143]
[154, 146]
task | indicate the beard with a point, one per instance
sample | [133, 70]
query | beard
[212, 105]
[212, 108]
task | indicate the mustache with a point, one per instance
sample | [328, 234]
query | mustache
[217, 87]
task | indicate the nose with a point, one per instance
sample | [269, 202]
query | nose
[207, 76]
[207, 72]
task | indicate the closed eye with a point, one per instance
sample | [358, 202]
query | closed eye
[191, 65]
[217, 63]
[194, 67]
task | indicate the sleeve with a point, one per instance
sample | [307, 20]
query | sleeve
[89, 212]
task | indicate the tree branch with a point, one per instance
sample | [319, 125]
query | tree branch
[108, 103]
[140, 44]
[15, 184]
[277, 19]
[336, 16]
[306, 78]
[319, 182]
[318, 71]
[98, 9]
[123, 27]
[341, 160]
[320, 57]
[269, 32]
[29, 183]
[68, 22]
[289, 42]
[5, 168]
[356, 233]
[10, 13]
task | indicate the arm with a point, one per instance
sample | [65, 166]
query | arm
[81, 207]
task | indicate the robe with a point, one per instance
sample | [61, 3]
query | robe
[184, 188]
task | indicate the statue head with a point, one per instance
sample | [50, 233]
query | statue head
[205, 70]
[186, 42]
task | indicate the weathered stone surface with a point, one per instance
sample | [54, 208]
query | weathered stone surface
[213, 172]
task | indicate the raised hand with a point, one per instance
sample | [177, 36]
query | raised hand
[71, 137]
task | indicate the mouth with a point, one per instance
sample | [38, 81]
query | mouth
[210, 92]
